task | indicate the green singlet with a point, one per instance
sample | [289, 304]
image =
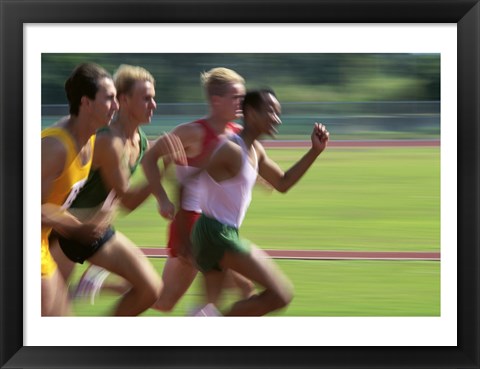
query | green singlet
[93, 193]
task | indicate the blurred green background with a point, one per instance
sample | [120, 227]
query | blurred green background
[360, 199]
[369, 96]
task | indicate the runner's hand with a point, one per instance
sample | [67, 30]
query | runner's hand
[173, 147]
[320, 137]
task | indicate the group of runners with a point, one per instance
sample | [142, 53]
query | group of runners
[89, 157]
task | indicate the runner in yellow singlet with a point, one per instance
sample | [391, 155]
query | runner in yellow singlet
[67, 150]
[65, 186]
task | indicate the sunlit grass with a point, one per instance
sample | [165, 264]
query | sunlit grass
[384, 199]
[351, 199]
[327, 288]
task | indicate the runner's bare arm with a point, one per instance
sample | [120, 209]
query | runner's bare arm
[226, 162]
[114, 169]
[135, 196]
[53, 159]
[180, 139]
[283, 181]
[108, 158]
[139, 192]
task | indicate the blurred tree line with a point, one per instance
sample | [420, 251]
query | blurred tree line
[294, 77]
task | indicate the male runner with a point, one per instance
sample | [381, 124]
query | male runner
[226, 186]
[119, 150]
[67, 150]
[225, 91]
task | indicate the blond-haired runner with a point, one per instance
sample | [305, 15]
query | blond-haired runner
[119, 149]
[226, 185]
[225, 90]
[67, 150]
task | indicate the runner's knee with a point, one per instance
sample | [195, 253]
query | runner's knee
[165, 302]
[149, 290]
[164, 306]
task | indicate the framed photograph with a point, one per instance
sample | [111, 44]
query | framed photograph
[448, 29]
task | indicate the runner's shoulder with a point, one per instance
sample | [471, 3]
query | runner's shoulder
[189, 131]
[234, 127]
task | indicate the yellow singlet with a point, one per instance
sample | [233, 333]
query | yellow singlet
[65, 187]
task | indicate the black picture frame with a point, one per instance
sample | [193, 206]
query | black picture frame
[14, 14]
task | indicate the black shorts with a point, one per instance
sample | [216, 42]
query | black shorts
[79, 252]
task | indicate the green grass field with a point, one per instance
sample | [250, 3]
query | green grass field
[365, 199]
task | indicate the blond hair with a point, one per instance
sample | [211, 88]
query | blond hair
[126, 76]
[217, 80]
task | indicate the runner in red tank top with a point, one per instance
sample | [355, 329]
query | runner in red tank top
[190, 199]
[225, 90]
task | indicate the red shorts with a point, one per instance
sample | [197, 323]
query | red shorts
[180, 229]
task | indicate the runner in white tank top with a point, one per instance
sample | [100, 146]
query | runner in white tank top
[224, 89]
[191, 189]
[226, 187]
[227, 201]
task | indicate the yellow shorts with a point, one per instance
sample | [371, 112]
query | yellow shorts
[48, 264]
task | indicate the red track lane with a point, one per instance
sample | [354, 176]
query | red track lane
[157, 252]
[354, 143]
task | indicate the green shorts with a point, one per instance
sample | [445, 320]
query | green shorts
[210, 240]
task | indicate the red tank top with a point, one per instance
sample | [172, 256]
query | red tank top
[210, 140]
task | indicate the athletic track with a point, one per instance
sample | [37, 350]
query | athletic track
[347, 143]
[157, 252]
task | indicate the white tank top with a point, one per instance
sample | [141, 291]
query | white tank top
[191, 194]
[227, 201]
[191, 189]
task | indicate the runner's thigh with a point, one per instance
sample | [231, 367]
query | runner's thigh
[121, 256]
[258, 267]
